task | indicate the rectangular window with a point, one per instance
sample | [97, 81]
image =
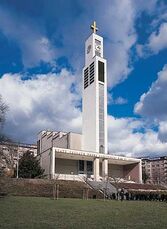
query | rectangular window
[89, 166]
[101, 71]
[81, 166]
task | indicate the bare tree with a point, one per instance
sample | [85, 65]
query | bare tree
[105, 189]
[116, 181]
[7, 155]
[145, 177]
[56, 187]
[3, 110]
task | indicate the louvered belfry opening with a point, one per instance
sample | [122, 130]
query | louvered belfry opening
[89, 73]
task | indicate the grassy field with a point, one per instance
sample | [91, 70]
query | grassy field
[32, 212]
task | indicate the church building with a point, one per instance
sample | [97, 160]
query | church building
[70, 155]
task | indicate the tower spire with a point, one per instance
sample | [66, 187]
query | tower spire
[93, 27]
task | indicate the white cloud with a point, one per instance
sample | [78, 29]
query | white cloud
[157, 40]
[120, 101]
[117, 101]
[140, 50]
[34, 45]
[162, 134]
[126, 137]
[162, 17]
[153, 104]
[43, 102]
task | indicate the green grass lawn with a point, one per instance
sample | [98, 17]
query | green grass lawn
[32, 212]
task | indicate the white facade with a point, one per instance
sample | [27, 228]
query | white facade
[58, 159]
[94, 127]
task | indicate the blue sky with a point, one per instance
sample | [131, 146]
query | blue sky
[41, 61]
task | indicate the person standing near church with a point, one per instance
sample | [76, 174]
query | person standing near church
[122, 194]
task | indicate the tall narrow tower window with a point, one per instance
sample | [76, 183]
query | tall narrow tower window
[101, 118]
[101, 71]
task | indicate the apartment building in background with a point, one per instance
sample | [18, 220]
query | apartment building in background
[13, 151]
[155, 169]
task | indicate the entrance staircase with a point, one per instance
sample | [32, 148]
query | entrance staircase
[104, 187]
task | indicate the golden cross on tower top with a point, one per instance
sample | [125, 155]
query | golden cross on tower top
[93, 27]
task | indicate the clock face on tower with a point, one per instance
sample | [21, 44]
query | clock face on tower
[97, 47]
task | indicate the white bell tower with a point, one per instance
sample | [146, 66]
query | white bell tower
[94, 104]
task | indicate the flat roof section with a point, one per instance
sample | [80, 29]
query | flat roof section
[86, 155]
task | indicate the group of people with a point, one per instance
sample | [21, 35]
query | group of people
[128, 195]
